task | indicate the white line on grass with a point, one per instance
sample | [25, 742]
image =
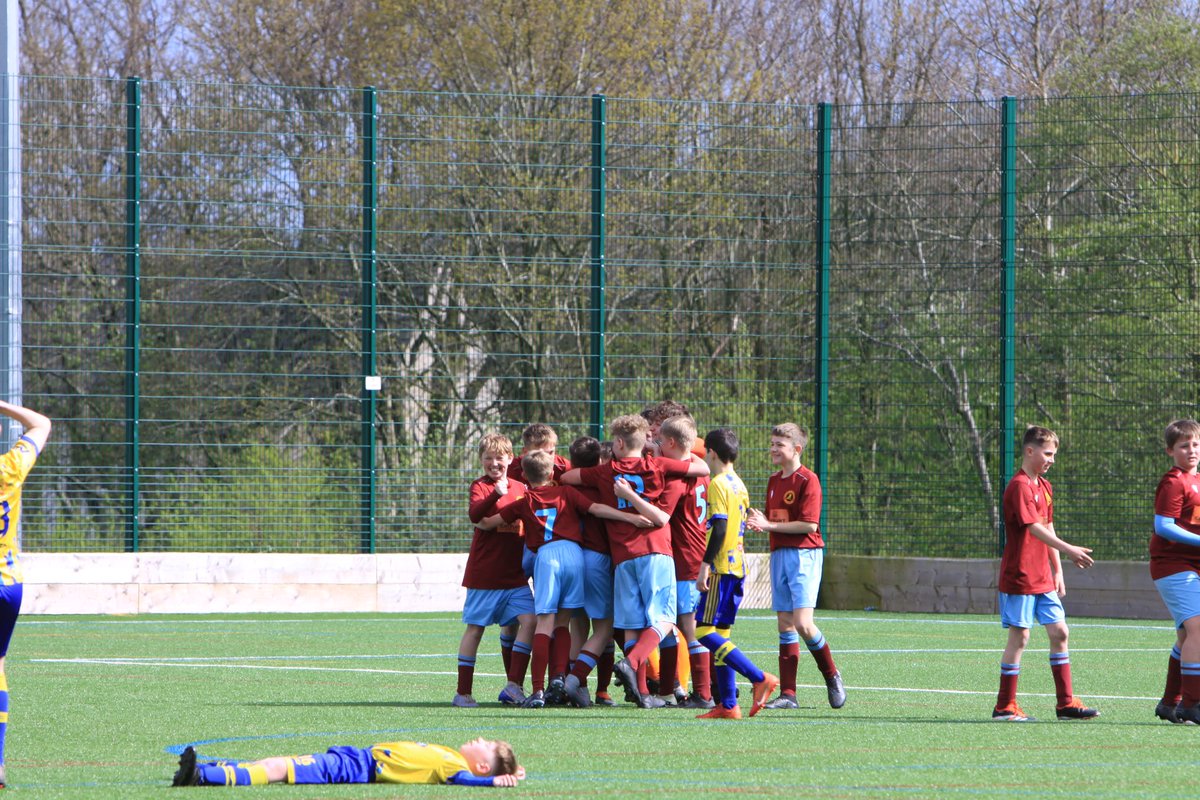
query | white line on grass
[983, 619]
[128, 662]
[194, 664]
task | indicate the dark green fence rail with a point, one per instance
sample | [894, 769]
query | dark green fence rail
[215, 273]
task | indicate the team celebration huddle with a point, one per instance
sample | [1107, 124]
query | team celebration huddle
[639, 543]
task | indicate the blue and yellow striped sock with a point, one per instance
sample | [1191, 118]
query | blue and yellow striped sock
[232, 774]
[726, 652]
[727, 684]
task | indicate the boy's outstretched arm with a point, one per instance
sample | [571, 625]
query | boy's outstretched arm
[1081, 556]
[37, 426]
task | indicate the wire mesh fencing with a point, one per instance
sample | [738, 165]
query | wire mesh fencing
[214, 273]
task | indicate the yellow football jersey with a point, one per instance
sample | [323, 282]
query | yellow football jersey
[416, 762]
[14, 467]
[728, 499]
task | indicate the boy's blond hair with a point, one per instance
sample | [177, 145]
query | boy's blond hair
[790, 430]
[495, 443]
[538, 466]
[1037, 435]
[1181, 429]
[538, 435]
[630, 429]
[680, 429]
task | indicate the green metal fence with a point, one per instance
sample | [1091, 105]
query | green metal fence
[213, 272]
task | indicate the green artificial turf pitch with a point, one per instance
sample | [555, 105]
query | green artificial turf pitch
[100, 705]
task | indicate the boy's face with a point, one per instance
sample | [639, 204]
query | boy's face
[715, 464]
[495, 464]
[673, 449]
[1039, 457]
[480, 755]
[1185, 453]
[783, 450]
[550, 445]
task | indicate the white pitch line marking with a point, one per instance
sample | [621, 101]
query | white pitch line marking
[119, 662]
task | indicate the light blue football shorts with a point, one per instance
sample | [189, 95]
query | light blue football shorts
[1020, 610]
[1181, 593]
[796, 577]
[496, 606]
[558, 576]
[597, 584]
[687, 597]
[644, 592]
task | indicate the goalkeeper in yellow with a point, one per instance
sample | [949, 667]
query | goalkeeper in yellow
[479, 762]
[14, 467]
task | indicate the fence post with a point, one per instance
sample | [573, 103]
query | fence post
[1008, 291]
[133, 310]
[599, 185]
[371, 381]
[821, 378]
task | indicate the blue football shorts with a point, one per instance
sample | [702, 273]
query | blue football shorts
[558, 576]
[718, 607]
[597, 584]
[336, 765]
[644, 592]
[10, 608]
[1181, 593]
[1020, 610]
[796, 577]
[496, 606]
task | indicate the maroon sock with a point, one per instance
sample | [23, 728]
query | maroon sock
[701, 676]
[583, 665]
[519, 665]
[1009, 673]
[668, 669]
[1174, 687]
[1190, 686]
[560, 652]
[604, 669]
[789, 663]
[1060, 666]
[541, 660]
[466, 677]
[824, 658]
